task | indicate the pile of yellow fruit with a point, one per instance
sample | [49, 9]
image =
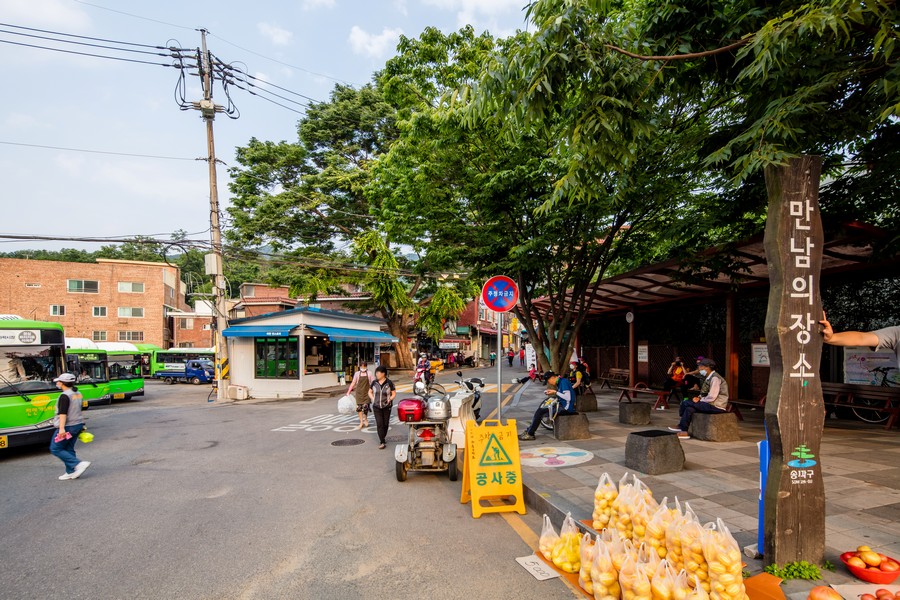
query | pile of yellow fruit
[723, 557]
[587, 558]
[604, 496]
[566, 553]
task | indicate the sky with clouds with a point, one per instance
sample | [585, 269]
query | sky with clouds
[70, 101]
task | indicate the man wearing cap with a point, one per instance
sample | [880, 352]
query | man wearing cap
[713, 398]
[566, 398]
[69, 423]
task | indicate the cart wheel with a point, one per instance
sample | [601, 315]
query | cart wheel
[195, 380]
[453, 470]
[401, 471]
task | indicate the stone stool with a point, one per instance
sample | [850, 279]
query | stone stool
[571, 427]
[715, 427]
[586, 402]
[634, 413]
[654, 452]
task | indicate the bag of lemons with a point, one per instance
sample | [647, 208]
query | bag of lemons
[723, 558]
[674, 554]
[604, 496]
[586, 549]
[663, 582]
[566, 553]
[548, 538]
[697, 592]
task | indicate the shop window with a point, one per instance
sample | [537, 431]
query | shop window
[319, 354]
[277, 358]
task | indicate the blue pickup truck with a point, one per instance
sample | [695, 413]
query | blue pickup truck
[192, 371]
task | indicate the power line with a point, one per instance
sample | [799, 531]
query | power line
[131, 60]
[85, 37]
[231, 67]
[98, 151]
[105, 47]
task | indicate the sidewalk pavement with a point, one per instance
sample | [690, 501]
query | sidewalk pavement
[861, 463]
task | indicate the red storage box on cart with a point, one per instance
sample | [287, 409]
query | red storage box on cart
[410, 410]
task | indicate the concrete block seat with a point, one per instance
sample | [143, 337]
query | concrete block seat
[634, 413]
[654, 452]
[586, 402]
[717, 427]
[571, 427]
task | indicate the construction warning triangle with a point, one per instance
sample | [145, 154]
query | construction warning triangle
[494, 455]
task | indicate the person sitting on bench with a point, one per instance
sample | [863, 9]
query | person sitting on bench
[566, 397]
[713, 398]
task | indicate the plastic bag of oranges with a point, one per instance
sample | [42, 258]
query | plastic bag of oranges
[690, 554]
[604, 496]
[586, 549]
[696, 590]
[548, 539]
[723, 558]
[674, 554]
[604, 576]
[566, 553]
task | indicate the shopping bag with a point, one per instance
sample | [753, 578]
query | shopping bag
[346, 405]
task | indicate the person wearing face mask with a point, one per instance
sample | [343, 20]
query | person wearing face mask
[361, 384]
[713, 398]
[675, 375]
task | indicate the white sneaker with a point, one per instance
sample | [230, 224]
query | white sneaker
[67, 476]
[79, 469]
[675, 429]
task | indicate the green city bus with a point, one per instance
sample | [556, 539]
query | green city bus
[125, 377]
[89, 366]
[32, 355]
[175, 358]
[146, 355]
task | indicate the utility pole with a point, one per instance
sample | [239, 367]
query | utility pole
[214, 267]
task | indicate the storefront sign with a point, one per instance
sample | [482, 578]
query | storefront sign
[462, 330]
[448, 345]
[492, 469]
[643, 353]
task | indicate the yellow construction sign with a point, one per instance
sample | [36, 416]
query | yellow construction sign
[492, 472]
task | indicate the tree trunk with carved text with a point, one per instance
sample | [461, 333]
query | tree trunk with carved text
[795, 491]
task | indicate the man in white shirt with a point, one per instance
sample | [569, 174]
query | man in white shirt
[713, 398]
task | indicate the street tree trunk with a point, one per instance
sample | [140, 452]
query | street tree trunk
[795, 490]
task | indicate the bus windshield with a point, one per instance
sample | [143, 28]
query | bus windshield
[86, 368]
[28, 368]
[124, 366]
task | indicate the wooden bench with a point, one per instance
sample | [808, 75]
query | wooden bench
[662, 396]
[867, 397]
[613, 376]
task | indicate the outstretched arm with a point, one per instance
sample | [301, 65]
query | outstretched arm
[847, 338]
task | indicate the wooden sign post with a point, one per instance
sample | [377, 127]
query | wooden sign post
[795, 491]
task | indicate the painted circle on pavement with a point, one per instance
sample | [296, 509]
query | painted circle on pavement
[554, 456]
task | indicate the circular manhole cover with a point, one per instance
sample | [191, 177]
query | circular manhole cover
[395, 438]
[348, 442]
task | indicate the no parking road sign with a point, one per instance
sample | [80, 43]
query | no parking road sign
[500, 293]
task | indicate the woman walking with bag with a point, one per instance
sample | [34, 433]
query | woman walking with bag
[382, 394]
[69, 424]
[361, 384]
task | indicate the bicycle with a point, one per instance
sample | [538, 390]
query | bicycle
[552, 404]
[874, 415]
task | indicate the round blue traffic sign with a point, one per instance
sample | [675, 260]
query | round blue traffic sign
[500, 293]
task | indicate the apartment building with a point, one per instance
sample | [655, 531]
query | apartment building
[106, 301]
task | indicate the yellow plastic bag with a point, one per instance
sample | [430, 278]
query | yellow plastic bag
[604, 576]
[674, 554]
[634, 579]
[619, 550]
[604, 496]
[566, 553]
[723, 558]
[646, 556]
[586, 549]
[548, 539]
[632, 509]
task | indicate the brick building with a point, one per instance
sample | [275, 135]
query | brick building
[106, 301]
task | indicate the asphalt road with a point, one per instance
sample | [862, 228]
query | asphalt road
[188, 499]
